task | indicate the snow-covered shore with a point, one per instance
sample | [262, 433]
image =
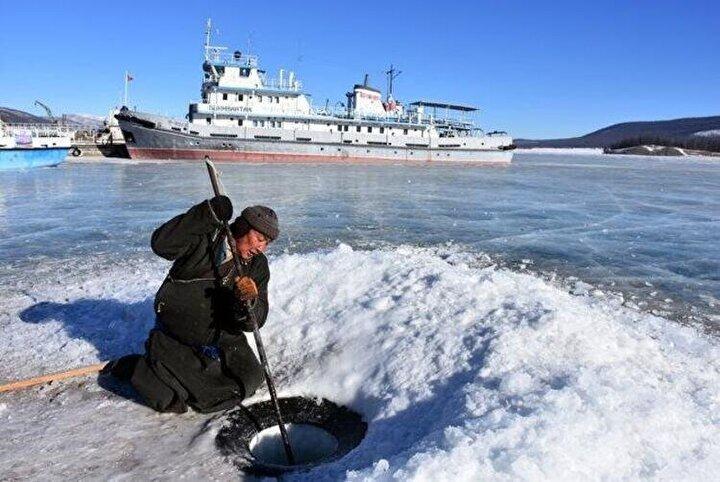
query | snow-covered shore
[464, 371]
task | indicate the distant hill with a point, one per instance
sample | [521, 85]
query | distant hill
[677, 129]
[14, 116]
[86, 121]
[80, 121]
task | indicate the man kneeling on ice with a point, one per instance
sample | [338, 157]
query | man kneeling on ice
[197, 354]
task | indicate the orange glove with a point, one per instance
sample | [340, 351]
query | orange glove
[245, 289]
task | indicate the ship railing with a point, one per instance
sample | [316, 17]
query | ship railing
[407, 119]
[47, 130]
[219, 56]
[285, 85]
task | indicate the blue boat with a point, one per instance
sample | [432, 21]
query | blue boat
[25, 158]
[23, 146]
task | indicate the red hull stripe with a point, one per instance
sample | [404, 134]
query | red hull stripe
[230, 156]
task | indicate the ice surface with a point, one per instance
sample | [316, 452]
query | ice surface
[613, 222]
[460, 371]
[563, 151]
[468, 360]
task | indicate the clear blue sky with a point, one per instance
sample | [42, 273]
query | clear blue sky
[539, 70]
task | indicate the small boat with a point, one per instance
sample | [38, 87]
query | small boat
[23, 146]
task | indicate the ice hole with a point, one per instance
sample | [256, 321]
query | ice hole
[309, 444]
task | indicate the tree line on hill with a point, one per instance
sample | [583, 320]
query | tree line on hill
[676, 132]
[698, 143]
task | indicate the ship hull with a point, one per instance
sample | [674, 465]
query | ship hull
[151, 143]
[25, 158]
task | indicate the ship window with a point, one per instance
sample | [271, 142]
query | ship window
[208, 120]
[254, 123]
[382, 130]
[339, 128]
[369, 129]
[260, 98]
[239, 122]
[240, 97]
[277, 100]
[358, 128]
[224, 96]
[279, 123]
[405, 131]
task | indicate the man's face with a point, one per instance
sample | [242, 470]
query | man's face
[252, 243]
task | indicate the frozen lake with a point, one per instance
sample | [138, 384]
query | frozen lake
[644, 227]
[550, 320]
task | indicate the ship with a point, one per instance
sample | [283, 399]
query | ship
[27, 145]
[104, 141]
[245, 116]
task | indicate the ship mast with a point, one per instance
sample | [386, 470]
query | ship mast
[392, 74]
[208, 32]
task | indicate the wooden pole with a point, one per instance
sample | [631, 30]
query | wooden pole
[52, 377]
[256, 330]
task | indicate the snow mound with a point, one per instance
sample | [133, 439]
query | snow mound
[710, 133]
[485, 374]
[462, 371]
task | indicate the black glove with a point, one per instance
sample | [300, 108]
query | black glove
[222, 207]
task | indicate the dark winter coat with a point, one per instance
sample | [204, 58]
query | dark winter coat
[196, 302]
[197, 354]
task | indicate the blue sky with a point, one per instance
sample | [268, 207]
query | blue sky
[538, 70]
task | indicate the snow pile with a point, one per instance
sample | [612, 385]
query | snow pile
[462, 372]
[710, 133]
[487, 374]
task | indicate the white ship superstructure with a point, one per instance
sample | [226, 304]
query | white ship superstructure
[35, 136]
[245, 116]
